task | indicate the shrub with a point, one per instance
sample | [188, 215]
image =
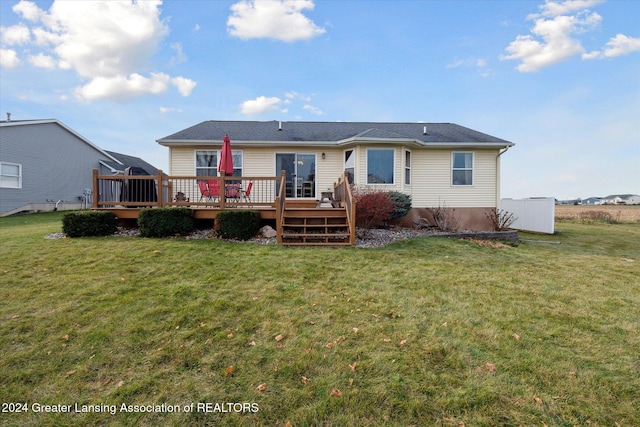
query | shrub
[163, 222]
[444, 218]
[241, 225]
[402, 204]
[89, 223]
[500, 219]
[599, 216]
[372, 207]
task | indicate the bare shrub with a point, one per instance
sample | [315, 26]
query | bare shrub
[444, 218]
[500, 219]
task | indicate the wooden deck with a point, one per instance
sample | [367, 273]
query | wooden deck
[298, 221]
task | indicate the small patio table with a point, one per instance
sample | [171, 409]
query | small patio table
[328, 197]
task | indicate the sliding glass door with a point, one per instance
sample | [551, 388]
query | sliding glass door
[300, 169]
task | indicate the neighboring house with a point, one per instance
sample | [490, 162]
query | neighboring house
[621, 199]
[45, 165]
[592, 201]
[122, 162]
[437, 164]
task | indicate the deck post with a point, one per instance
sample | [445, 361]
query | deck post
[222, 194]
[96, 194]
[160, 188]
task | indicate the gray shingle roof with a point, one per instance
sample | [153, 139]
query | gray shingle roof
[128, 161]
[213, 131]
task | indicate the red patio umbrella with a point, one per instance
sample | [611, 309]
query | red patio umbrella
[226, 158]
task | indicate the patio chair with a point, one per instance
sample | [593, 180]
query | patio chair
[233, 191]
[204, 190]
[246, 194]
[209, 189]
[214, 188]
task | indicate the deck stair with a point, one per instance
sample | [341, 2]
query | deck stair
[315, 227]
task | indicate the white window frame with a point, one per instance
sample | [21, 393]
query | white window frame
[6, 176]
[217, 152]
[407, 167]
[351, 163]
[236, 167]
[195, 161]
[393, 176]
[472, 168]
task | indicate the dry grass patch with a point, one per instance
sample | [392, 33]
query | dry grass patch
[607, 213]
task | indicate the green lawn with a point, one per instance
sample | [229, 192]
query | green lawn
[428, 331]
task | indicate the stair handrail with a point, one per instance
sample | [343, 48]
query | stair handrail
[279, 202]
[344, 196]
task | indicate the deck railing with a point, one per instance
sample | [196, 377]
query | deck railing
[344, 196]
[280, 200]
[112, 191]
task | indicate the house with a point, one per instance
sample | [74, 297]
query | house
[592, 201]
[621, 199]
[45, 165]
[437, 164]
[122, 162]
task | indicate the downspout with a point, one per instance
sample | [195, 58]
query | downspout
[498, 176]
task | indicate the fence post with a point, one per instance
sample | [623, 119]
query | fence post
[160, 189]
[222, 193]
[96, 194]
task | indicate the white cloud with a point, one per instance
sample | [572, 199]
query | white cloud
[8, 58]
[179, 56]
[274, 19]
[165, 110]
[554, 8]
[480, 64]
[291, 95]
[28, 10]
[42, 61]
[106, 38]
[616, 46]
[313, 110]
[15, 35]
[554, 36]
[107, 43]
[121, 87]
[185, 86]
[196, 28]
[557, 44]
[260, 105]
[290, 100]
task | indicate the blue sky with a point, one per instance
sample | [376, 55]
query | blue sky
[561, 79]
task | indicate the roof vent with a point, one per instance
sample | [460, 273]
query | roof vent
[279, 125]
[424, 130]
[8, 117]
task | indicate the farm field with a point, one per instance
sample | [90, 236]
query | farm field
[620, 213]
[427, 331]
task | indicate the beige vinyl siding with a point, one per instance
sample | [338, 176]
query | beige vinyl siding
[329, 169]
[430, 171]
[182, 161]
[431, 180]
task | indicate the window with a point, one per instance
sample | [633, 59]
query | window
[380, 166]
[407, 167]
[462, 169]
[237, 162]
[350, 164]
[10, 175]
[207, 162]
